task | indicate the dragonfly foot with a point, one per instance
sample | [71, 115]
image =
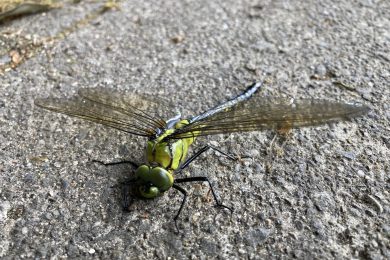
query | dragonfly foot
[176, 226]
[184, 192]
[220, 205]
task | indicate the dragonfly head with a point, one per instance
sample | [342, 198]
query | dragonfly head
[153, 181]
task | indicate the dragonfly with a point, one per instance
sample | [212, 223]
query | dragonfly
[168, 141]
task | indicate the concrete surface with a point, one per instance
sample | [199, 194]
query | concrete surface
[321, 192]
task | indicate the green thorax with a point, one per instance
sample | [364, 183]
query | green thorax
[168, 154]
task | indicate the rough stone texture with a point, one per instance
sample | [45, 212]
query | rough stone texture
[319, 193]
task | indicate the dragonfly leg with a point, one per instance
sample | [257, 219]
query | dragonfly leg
[126, 202]
[231, 157]
[193, 179]
[135, 165]
[202, 150]
[184, 192]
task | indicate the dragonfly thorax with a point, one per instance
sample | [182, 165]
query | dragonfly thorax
[166, 153]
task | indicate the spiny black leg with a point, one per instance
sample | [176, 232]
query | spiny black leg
[193, 157]
[135, 165]
[192, 179]
[183, 191]
[202, 150]
[126, 198]
[231, 157]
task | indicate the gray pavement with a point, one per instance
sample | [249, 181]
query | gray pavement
[321, 192]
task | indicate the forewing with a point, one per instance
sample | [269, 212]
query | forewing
[125, 112]
[272, 114]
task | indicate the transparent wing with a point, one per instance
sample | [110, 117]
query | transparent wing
[271, 114]
[125, 112]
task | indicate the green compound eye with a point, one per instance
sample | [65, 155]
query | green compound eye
[142, 172]
[153, 181]
[161, 178]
